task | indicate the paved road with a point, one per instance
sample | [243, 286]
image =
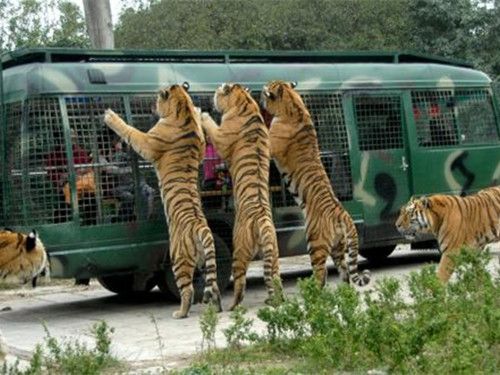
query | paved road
[70, 311]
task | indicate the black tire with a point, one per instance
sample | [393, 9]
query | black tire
[377, 254]
[425, 245]
[166, 280]
[124, 284]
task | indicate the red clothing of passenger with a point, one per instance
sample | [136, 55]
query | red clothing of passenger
[58, 166]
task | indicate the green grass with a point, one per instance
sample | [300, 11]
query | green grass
[435, 328]
[70, 357]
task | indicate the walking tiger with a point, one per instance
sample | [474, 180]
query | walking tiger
[472, 221]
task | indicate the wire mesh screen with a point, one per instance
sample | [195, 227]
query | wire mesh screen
[378, 120]
[32, 130]
[13, 165]
[143, 112]
[445, 118]
[328, 117]
[475, 116]
[103, 169]
[434, 117]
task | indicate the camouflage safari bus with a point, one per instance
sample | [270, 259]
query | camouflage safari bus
[390, 125]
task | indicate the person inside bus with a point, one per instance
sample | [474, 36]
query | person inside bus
[117, 180]
[57, 172]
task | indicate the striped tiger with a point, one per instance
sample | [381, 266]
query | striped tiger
[22, 257]
[175, 146]
[472, 221]
[330, 229]
[243, 142]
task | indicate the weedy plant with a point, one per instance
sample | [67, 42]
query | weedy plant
[420, 326]
[209, 320]
[69, 357]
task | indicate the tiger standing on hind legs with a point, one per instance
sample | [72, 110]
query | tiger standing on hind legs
[330, 229]
[175, 146]
[242, 139]
[472, 221]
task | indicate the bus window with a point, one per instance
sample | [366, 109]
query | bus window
[378, 121]
[475, 117]
[434, 116]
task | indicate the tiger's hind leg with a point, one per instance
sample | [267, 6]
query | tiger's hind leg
[338, 254]
[319, 254]
[269, 247]
[206, 243]
[240, 267]
[183, 272]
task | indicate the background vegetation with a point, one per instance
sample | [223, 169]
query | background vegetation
[464, 29]
[418, 326]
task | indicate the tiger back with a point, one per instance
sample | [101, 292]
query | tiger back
[22, 257]
[472, 221]
[175, 146]
[243, 141]
[330, 229]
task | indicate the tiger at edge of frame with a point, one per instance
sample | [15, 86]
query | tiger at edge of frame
[330, 229]
[471, 221]
[175, 146]
[22, 257]
[242, 139]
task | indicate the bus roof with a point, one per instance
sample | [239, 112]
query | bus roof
[55, 70]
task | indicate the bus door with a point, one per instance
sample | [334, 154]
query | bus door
[380, 159]
[454, 139]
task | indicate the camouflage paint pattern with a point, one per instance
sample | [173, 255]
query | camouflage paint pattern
[382, 178]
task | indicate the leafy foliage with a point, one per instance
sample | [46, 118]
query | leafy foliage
[69, 357]
[36, 23]
[421, 326]
[465, 29]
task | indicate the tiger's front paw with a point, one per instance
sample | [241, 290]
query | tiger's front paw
[110, 117]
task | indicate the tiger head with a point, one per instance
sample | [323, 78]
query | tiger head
[22, 256]
[171, 98]
[415, 217]
[277, 95]
[231, 95]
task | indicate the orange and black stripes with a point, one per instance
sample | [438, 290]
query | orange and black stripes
[330, 230]
[22, 257]
[176, 146]
[472, 221]
[243, 141]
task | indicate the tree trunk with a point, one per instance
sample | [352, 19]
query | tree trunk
[99, 23]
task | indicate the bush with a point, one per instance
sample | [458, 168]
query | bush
[71, 357]
[421, 326]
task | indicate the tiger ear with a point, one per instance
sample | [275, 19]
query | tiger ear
[269, 95]
[293, 84]
[247, 89]
[226, 88]
[186, 86]
[163, 94]
[31, 240]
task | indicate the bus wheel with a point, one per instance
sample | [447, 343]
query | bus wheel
[377, 254]
[124, 284]
[166, 280]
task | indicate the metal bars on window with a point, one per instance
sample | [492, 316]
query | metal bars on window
[378, 121]
[451, 117]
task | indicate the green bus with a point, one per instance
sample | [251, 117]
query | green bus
[390, 125]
